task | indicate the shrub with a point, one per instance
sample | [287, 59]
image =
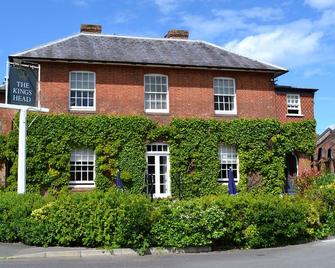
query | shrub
[244, 220]
[94, 219]
[120, 219]
[14, 213]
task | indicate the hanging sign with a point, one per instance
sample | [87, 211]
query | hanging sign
[22, 86]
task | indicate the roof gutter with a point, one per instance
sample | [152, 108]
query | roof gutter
[32, 59]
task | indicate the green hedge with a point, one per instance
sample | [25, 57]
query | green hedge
[243, 221]
[96, 219]
[15, 211]
[117, 219]
[120, 142]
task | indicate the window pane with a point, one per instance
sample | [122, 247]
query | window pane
[224, 94]
[82, 86]
[82, 166]
[156, 85]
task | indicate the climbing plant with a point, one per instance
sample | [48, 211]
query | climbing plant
[119, 142]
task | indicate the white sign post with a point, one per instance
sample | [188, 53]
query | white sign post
[21, 180]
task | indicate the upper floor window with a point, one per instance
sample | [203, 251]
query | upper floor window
[82, 168]
[156, 97]
[293, 104]
[82, 90]
[224, 95]
[228, 159]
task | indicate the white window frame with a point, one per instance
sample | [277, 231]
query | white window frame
[83, 108]
[83, 184]
[157, 154]
[223, 112]
[234, 161]
[288, 96]
[163, 111]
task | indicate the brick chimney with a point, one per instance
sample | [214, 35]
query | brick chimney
[177, 34]
[90, 28]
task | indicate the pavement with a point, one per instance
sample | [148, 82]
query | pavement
[19, 250]
[22, 251]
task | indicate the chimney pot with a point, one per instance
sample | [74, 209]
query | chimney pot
[177, 34]
[90, 28]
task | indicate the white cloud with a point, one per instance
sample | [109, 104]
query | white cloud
[166, 6]
[80, 3]
[293, 44]
[228, 21]
[321, 4]
[262, 13]
[332, 127]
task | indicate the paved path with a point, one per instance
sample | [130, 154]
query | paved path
[317, 254]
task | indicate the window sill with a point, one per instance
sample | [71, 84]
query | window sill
[158, 112]
[86, 186]
[225, 113]
[294, 115]
[76, 110]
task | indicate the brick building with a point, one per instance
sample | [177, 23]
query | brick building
[324, 157]
[161, 78]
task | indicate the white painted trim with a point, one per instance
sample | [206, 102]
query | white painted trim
[158, 111]
[237, 162]
[299, 104]
[85, 184]
[231, 112]
[20, 107]
[156, 154]
[295, 115]
[83, 108]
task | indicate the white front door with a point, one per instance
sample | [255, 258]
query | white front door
[158, 168]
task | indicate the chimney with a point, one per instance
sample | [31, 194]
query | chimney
[177, 34]
[90, 28]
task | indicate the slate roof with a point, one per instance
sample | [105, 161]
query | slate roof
[147, 51]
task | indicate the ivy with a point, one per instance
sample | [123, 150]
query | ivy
[119, 142]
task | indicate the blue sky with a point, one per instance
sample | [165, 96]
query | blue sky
[298, 35]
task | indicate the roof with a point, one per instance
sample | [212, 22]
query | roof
[294, 89]
[325, 134]
[2, 87]
[144, 51]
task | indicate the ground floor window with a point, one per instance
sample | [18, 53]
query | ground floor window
[82, 168]
[228, 159]
[158, 170]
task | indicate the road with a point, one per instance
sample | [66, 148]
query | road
[317, 254]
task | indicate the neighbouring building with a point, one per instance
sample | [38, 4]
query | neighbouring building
[160, 78]
[324, 157]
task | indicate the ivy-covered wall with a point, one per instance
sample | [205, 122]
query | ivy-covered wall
[120, 142]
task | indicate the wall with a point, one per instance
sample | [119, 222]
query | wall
[326, 163]
[307, 107]
[120, 90]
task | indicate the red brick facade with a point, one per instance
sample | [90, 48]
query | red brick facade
[120, 91]
[307, 107]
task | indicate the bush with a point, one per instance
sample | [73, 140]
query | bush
[94, 219]
[14, 213]
[119, 219]
[244, 221]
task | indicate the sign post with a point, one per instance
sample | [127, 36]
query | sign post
[21, 94]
